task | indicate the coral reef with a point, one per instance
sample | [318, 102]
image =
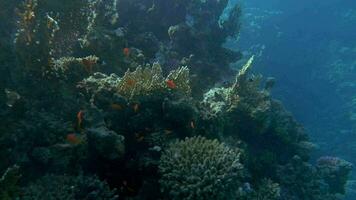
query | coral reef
[122, 91]
[53, 187]
[198, 168]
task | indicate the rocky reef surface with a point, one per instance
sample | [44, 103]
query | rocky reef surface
[119, 99]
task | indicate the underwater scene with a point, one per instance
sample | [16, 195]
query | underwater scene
[177, 99]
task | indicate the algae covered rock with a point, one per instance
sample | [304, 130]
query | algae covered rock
[8, 183]
[106, 143]
[199, 168]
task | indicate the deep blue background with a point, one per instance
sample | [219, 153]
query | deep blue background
[298, 41]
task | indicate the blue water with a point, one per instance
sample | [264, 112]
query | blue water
[310, 47]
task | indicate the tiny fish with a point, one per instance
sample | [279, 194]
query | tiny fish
[192, 125]
[126, 51]
[80, 116]
[11, 97]
[115, 106]
[171, 84]
[136, 107]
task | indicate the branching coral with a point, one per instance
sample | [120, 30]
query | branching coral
[245, 90]
[199, 168]
[141, 82]
[66, 64]
[267, 190]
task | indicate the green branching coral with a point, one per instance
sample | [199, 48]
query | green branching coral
[141, 82]
[199, 168]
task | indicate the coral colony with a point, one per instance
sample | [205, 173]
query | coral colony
[118, 99]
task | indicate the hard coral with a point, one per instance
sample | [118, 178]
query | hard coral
[199, 168]
[141, 82]
[335, 172]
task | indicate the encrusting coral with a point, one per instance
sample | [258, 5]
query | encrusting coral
[199, 168]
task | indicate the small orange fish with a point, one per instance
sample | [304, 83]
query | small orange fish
[126, 51]
[192, 125]
[131, 82]
[171, 84]
[167, 132]
[73, 139]
[115, 106]
[80, 116]
[136, 107]
[88, 64]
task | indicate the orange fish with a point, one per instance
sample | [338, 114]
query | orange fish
[171, 84]
[73, 139]
[131, 82]
[115, 106]
[80, 116]
[192, 124]
[126, 51]
[167, 132]
[88, 64]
